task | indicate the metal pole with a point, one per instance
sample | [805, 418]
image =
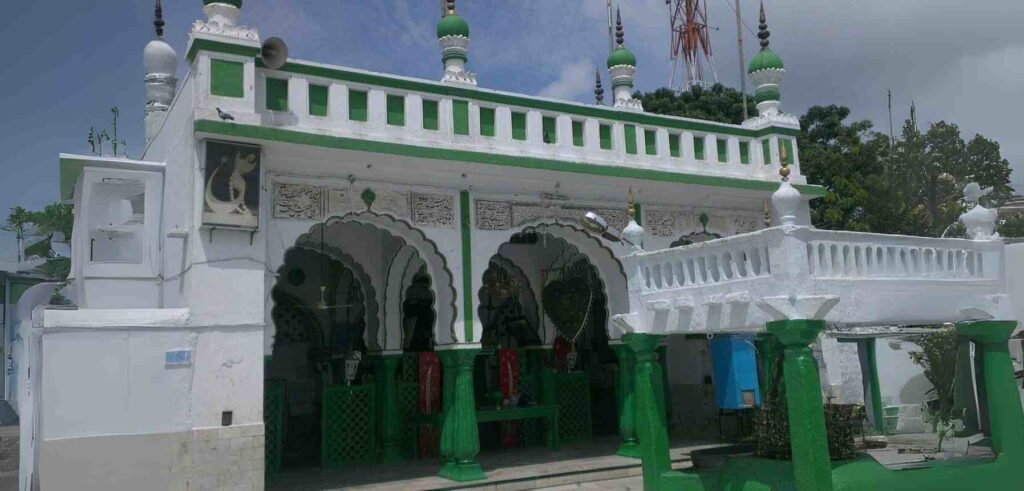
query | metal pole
[743, 76]
[611, 37]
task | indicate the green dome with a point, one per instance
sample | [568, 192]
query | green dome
[236, 3]
[765, 59]
[621, 56]
[452, 25]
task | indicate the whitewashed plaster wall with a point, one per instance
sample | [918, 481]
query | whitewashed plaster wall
[175, 145]
[901, 381]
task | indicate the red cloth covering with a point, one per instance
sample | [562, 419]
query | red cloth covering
[508, 378]
[429, 403]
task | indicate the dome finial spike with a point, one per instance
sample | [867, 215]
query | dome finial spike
[598, 88]
[762, 29]
[159, 22]
[620, 36]
[450, 7]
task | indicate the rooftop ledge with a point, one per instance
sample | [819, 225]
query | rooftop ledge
[548, 134]
[737, 284]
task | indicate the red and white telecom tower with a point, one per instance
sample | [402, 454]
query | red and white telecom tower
[690, 39]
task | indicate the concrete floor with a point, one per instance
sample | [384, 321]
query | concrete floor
[577, 466]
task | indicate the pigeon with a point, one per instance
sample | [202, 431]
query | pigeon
[225, 116]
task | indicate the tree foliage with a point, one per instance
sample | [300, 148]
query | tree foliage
[717, 103]
[913, 185]
[39, 227]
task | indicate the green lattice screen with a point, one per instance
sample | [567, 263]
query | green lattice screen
[408, 398]
[348, 425]
[273, 422]
[572, 391]
[409, 370]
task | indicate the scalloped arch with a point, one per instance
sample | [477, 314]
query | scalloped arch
[442, 281]
[609, 269]
[372, 306]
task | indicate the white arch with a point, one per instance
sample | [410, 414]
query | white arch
[394, 291]
[609, 269]
[441, 279]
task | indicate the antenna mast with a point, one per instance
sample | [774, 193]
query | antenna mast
[691, 40]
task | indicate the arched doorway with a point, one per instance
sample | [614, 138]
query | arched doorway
[356, 302]
[544, 309]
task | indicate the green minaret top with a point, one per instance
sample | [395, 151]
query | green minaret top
[236, 3]
[766, 58]
[451, 24]
[621, 55]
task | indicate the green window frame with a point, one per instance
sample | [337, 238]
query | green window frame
[788, 145]
[723, 150]
[487, 117]
[766, 151]
[227, 78]
[629, 133]
[651, 142]
[460, 117]
[396, 110]
[744, 152]
[549, 129]
[673, 145]
[518, 126]
[698, 147]
[277, 94]
[605, 133]
[577, 133]
[357, 101]
[318, 99]
[430, 112]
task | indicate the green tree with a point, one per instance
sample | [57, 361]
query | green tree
[40, 227]
[937, 357]
[717, 103]
[845, 158]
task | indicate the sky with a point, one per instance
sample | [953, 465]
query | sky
[67, 62]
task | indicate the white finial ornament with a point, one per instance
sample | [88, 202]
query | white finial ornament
[161, 63]
[633, 232]
[786, 200]
[979, 221]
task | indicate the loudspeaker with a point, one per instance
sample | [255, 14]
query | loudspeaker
[274, 53]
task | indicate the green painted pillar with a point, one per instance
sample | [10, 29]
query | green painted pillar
[389, 415]
[650, 422]
[460, 440]
[1004, 408]
[627, 403]
[812, 467]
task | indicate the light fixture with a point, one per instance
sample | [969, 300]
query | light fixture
[595, 223]
[352, 366]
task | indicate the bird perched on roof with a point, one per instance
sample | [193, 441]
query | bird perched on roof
[225, 116]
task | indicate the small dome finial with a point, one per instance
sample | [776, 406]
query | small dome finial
[630, 203]
[762, 29]
[159, 22]
[598, 88]
[620, 36]
[450, 7]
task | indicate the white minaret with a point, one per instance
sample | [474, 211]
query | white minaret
[161, 62]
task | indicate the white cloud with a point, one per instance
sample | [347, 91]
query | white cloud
[575, 82]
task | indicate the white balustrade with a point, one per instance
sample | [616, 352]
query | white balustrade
[671, 147]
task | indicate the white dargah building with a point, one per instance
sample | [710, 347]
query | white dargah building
[321, 266]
